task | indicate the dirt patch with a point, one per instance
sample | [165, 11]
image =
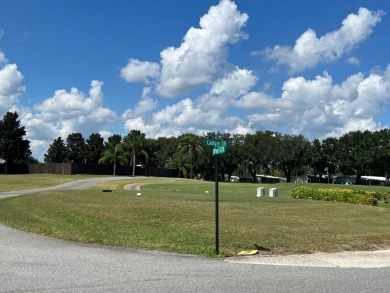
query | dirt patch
[133, 186]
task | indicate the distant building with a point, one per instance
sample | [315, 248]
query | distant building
[364, 180]
[259, 178]
[241, 179]
[270, 179]
[345, 179]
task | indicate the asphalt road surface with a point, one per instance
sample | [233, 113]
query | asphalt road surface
[78, 184]
[33, 263]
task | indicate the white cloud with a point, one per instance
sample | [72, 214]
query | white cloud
[140, 71]
[72, 103]
[3, 59]
[254, 100]
[312, 107]
[234, 83]
[373, 95]
[353, 61]
[184, 114]
[224, 91]
[208, 112]
[11, 87]
[65, 113]
[201, 57]
[37, 128]
[145, 105]
[204, 114]
[319, 108]
[355, 125]
[150, 130]
[105, 134]
[241, 128]
[310, 50]
[199, 61]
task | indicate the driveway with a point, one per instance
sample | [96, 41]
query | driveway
[78, 184]
[33, 263]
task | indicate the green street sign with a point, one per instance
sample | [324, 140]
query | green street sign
[219, 147]
[219, 150]
[215, 142]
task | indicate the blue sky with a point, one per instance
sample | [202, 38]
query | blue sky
[318, 68]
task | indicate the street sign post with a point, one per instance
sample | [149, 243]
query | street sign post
[215, 142]
[219, 148]
[216, 208]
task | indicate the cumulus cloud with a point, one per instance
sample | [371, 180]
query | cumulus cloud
[3, 59]
[11, 87]
[234, 83]
[184, 113]
[202, 54]
[240, 128]
[65, 113]
[140, 71]
[200, 58]
[198, 62]
[253, 100]
[151, 130]
[225, 90]
[145, 105]
[320, 108]
[309, 50]
[209, 112]
[310, 106]
[353, 61]
[223, 96]
[72, 103]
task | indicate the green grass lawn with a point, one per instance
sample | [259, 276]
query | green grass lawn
[30, 181]
[178, 215]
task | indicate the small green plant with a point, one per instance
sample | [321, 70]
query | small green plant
[339, 195]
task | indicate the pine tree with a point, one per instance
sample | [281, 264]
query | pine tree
[76, 148]
[56, 152]
[95, 148]
[12, 145]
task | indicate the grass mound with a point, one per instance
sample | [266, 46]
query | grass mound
[178, 215]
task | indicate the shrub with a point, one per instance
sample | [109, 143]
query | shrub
[338, 195]
[386, 197]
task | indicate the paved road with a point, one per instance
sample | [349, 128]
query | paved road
[78, 184]
[32, 263]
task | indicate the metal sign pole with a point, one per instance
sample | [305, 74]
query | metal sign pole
[219, 147]
[216, 208]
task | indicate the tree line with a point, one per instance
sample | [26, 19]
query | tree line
[263, 152]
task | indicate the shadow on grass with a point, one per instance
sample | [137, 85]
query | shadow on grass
[263, 248]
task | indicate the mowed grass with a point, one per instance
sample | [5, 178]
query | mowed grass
[11, 182]
[178, 215]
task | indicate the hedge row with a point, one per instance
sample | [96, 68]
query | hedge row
[340, 195]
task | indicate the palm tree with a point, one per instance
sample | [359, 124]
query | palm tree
[113, 155]
[135, 143]
[190, 145]
[180, 162]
